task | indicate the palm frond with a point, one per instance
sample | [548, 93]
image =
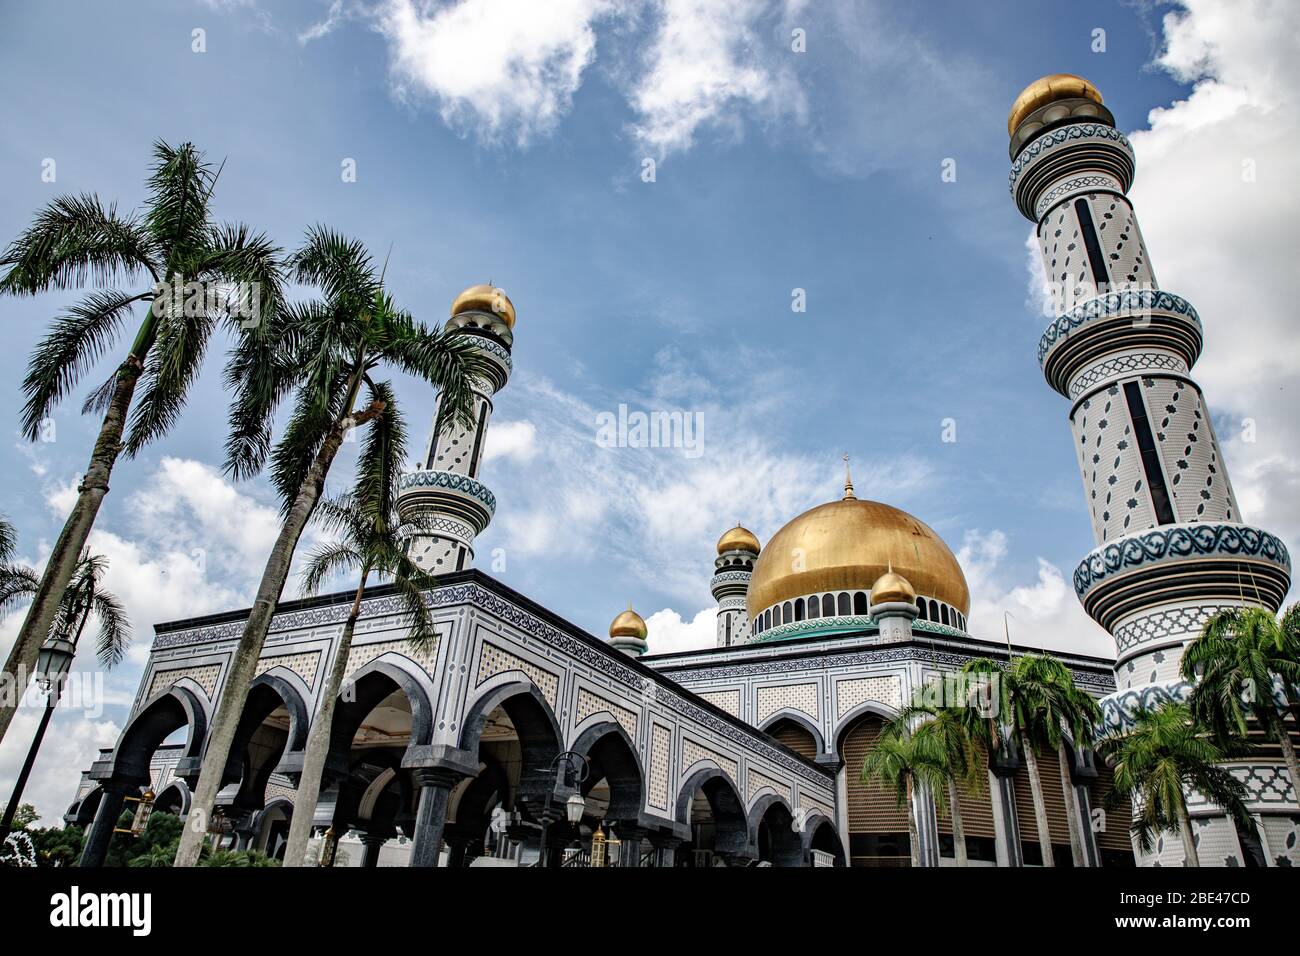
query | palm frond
[451, 363]
[327, 560]
[16, 584]
[76, 341]
[8, 540]
[75, 240]
[180, 188]
[114, 629]
[174, 362]
[340, 267]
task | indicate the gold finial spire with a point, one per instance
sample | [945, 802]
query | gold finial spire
[848, 482]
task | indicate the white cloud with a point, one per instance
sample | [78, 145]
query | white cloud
[517, 440]
[1043, 614]
[668, 632]
[1227, 243]
[70, 744]
[185, 544]
[707, 61]
[657, 512]
[497, 68]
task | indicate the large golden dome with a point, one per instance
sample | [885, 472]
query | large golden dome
[1049, 89]
[846, 546]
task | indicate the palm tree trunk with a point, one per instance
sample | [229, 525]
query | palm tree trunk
[1288, 751]
[958, 824]
[1040, 807]
[62, 563]
[1191, 857]
[243, 664]
[1075, 825]
[318, 742]
[913, 832]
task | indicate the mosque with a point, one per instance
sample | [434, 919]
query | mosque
[517, 738]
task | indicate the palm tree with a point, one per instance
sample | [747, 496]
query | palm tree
[77, 241]
[960, 766]
[1016, 691]
[84, 598]
[908, 761]
[321, 352]
[372, 541]
[1156, 761]
[1233, 664]
[1050, 704]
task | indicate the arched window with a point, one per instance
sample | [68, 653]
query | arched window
[934, 611]
[920, 604]
[859, 602]
[814, 607]
[787, 613]
[828, 605]
[844, 609]
[767, 619]
[943, 613]
[798, 610]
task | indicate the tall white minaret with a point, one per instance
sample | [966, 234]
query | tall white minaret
[737, 551]
[1172, 548]
[446, 489]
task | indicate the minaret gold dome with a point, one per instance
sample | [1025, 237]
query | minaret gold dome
[485, 298]
[847, 545]
[1048, 89]
[738, 539]
[629, 624]
[892, 588]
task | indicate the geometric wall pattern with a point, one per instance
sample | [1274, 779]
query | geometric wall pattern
[851, 693]
[496, 660]
[205, 675]
[362, 654]
[660, 745]
[589, 703]
[757, 781]
[693, 753]
[727, 700]
[800, 697]
[304, 665]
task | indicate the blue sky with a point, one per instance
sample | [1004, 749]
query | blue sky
[507, 143]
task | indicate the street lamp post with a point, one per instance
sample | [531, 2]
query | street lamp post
[575, 771]
[52, 667]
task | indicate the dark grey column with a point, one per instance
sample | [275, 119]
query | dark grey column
[371, 844]
[667, 847]
[431, 816]
[630, 851]
[101, 830]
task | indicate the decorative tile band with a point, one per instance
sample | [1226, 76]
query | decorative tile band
[1177, 541]
[1075, 131]
[452, 482]
[1114, 304]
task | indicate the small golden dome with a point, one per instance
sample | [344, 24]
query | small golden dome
[485, 298]
[847, 545]
[891, 587]
[738, 539]
[629, 624]
[1047, 89]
